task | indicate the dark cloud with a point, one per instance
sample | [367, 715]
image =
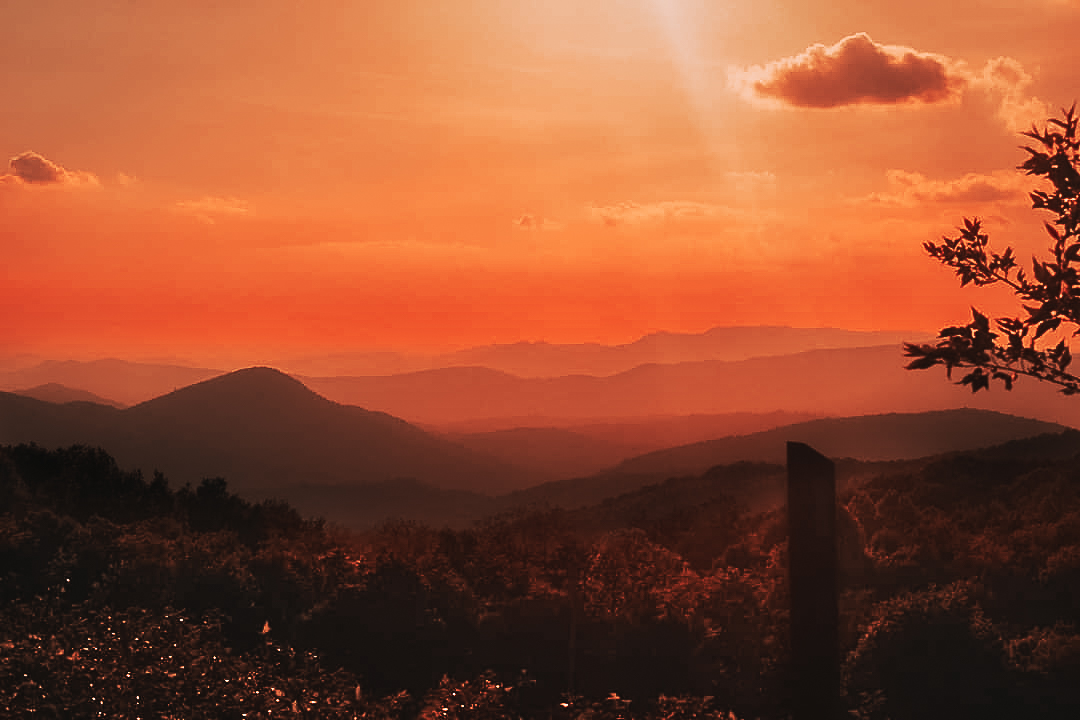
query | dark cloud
[854, 71]
[33, 168]
[30, 167]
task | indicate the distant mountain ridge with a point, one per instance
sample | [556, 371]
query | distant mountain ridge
[120, 380]
[130, 383]
[836, 382]
[57, 393]
[548, 360]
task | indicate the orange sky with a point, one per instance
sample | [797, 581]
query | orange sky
[250, 180]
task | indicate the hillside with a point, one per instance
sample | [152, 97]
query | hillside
[262, 430]
[554, 453]
[887, 437]
[962, 566]
[270, 436]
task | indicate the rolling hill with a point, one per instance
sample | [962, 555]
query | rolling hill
[888, 437]
[270, 436]
[261, 430]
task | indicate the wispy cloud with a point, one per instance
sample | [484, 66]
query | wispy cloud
[529, 221]
[208, 208]
[668, 211]
[910, 189]
[752, 182]
[1006, 80]
[31, 168]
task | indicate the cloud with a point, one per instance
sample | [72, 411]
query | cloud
[31, 168]
[206, 208]
[668, 211]
[1005, 79]
[752, 182]
[529, 221]
[854, 71]
[909, 189]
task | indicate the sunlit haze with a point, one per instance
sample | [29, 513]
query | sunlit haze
[238, 182]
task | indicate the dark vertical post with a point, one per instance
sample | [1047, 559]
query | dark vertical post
[571, 647]
[815, 616]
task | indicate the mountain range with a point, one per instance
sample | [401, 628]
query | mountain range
[835, 382]
[129, 383]
[546, 360]
[270, 436]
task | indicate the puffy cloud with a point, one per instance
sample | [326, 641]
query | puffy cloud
[631, 213]
[909, 189]
[854, 71]
[34, 169]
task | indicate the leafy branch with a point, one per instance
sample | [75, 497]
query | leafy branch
[1049, 295]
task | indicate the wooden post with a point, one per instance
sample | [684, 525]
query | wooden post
[812, 571]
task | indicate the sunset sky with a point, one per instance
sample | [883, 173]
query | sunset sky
[253, 180]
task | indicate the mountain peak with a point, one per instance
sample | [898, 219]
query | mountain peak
[259, 387]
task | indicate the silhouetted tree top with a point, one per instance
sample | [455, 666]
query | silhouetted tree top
[1049, 296]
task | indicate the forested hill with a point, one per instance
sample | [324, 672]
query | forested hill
[261, 429]
[123, 596]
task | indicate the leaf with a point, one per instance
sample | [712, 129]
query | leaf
[1047, 326]
[1041, 274]
[981, 321]
[922, 363]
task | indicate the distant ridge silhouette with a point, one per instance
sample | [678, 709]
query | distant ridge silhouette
[546, 360]
[120, 380]
[837, 382]
[57, 393]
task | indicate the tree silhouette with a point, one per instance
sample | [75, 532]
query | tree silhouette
[1050, 296]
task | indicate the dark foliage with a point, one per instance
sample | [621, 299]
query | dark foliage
[128, 598]
[1049, 296]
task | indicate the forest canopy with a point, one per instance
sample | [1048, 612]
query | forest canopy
[130, 598]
